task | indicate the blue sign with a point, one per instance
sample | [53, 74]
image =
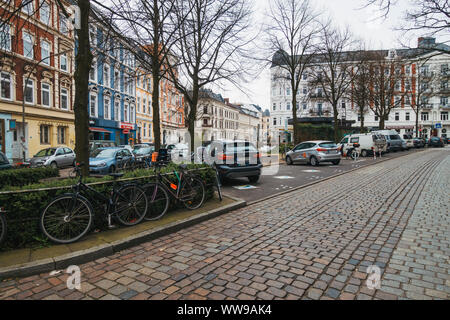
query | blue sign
[438, 126]
[12, 124]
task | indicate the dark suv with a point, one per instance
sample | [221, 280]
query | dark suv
[234, 159]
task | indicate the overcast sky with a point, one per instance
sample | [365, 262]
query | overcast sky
[377, 33]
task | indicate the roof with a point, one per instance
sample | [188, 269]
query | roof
[425, 47]
[208, 93]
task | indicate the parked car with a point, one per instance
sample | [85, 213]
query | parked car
[142, 151]
[95, 144]
[314, 152]
[4, 162]
[394, 142]
[368, 143]
[446, 140]
[436, 142]
[234, 159]
[126, 146]
[55, 157]
[419, 143]
[109, 160]
[409, 139]
[179, 152]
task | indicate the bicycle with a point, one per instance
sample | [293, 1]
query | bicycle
[190, 191]
[353, 153]
[218, 183]
[3, 227]
[67, 218]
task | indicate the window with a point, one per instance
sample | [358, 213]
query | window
[28, 6]
[93, 36]
[444, 116]
[29, 91]
[93, 72]
[93, 105]
[5, 37]
[28, 45]
[288, 91]
[132, 114]
[424, 116]
[397, 116]
[62, 135]
[64, 99]
[116, 80]
[305, 90]
[305, 106]
[6, 88]
[126, 112]
[274, 107]
[45, 93]
[144, 105]
[106, 108]
[45, 134]
[44, 12]
[117, 110]
[376, 118]
[408, 69]
[407, 116]
[63, 24]
[63, 62]
[45, 52]
[106, 75]
[139, 104]
[444, 85]
[274, 121]
[444, 69]
[444, 101]
[288, 106]
[149, 106]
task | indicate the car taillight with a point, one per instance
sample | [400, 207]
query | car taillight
[321, 150]
[257, 156]
[224, 157]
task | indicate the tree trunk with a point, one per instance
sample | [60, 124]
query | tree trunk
[294, 114]
[193, 114]
[417, 123]
[336, 124]
[362, 120]
[155, 106]
[84, 60]
[381, 123]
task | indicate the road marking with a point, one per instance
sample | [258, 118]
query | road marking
[248, 187]
[284, 177]
[311, 171]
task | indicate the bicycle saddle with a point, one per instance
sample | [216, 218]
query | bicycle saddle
[183, 166]
[116, 175]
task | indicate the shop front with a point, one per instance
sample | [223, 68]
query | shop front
[122, 133]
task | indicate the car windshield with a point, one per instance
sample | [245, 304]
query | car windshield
[103, 153]
[328, 145]
[240, 147]
[143, 150]
[46, 152]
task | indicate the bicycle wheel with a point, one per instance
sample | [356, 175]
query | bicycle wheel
[158, 201]
[131, 205]
[2, 228]
[192, 193]
[355, 155]
[67, 218]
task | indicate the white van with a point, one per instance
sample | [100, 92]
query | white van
[369, 142]
[394, 141]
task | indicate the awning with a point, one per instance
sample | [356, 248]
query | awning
[99, 130]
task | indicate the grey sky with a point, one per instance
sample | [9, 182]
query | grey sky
[377, 33]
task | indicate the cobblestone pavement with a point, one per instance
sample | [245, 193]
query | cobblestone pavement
[314, 243]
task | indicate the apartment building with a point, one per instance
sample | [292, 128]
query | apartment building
[36, 70]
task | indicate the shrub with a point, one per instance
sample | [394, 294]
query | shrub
[24, 207]
[24, 176]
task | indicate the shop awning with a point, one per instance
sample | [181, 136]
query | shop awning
[99, 130]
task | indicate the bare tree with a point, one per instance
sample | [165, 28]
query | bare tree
[428, 84]
[333, 68]
[291, 34]
[360, 91]
[211, 47]
[430, 16]
[385, 86]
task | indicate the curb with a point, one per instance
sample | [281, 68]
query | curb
[326, 179]
[97, 252]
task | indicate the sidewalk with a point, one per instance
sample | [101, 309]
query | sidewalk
[94, 245]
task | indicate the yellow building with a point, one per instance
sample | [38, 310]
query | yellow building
[144, 112]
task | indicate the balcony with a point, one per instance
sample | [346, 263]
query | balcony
[317, 96]
[428, 106]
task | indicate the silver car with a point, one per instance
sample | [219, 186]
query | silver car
[314, 152]
[55, 157]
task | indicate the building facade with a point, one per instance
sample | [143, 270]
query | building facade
[144, 110]
[173, 127]
[37, 89]
[112, 90]
[417, 65]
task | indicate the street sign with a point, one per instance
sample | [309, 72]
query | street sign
[438, 126]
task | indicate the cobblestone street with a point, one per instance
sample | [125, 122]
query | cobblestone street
[314, 243]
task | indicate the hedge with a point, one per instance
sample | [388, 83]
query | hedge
[25, 176]
[24, 207]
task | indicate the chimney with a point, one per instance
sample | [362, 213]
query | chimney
[227, 100]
